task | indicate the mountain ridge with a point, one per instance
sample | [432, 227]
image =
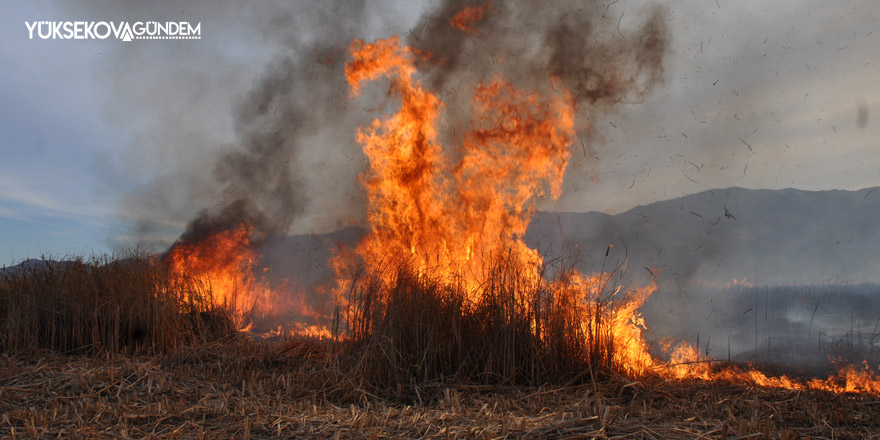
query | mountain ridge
[761, 234]
[769, 236]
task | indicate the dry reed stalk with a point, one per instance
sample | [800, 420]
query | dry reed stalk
[520, 326]
[106, 305]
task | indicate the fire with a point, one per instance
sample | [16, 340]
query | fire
[450, 210]
[224, 264]
[630, 351]
[447, 215]
[849, 379]
[686, 362]
[744, 282]
[453, 210]
[734, 282]
[471, 14]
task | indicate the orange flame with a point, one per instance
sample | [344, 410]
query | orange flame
[449, 216]
[450, 210]
[744, 282]
[471, 14]
[452, 215]
[686, 362]
[223, 263]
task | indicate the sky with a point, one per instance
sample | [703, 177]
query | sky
[105, 145]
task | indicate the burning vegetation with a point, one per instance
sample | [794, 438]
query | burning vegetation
[225, 264]
[470, 14]
[129, 305]
[446, 228]
[442, 288]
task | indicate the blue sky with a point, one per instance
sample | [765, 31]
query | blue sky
[51, 133]
[91, 132]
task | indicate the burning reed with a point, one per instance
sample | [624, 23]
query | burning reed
[517, 326]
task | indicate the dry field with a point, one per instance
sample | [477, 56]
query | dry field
[123, 349]
[248, 389]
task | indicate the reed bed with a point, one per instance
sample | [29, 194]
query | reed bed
[517, 327]
[117, 348]
[130, 304]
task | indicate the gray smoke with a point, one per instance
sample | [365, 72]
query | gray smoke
[249, 121]
[576, 43]
[255, 122]
[286, 151]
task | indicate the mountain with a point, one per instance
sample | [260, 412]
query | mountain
[770, 237]
[816, 250]
[29, 264]
[812, 256]
[783, 237]
[786, 236]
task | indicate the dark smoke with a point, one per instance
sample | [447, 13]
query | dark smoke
[297, 114]
[259, 179]
[303, 94]
[293, 97]
[606, 73]
[862, 118]
[575, 42]
[579, 44]
[231, 216]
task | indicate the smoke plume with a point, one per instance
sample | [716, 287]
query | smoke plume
[291, 161]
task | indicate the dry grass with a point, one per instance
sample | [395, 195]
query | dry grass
[116, 305]
[256, 390]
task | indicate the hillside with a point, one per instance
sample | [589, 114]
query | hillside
[784, 236]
